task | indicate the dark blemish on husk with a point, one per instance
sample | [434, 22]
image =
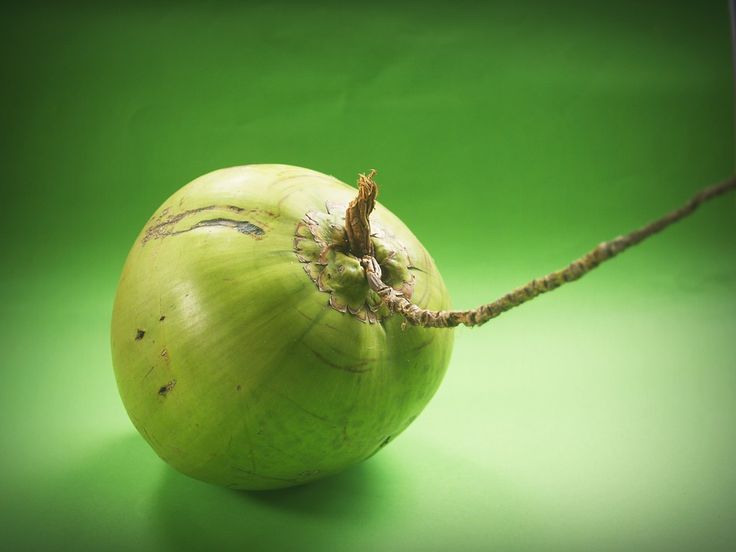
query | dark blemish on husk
[238, 387]
[139, 334]
[163, 317]
[165, 389]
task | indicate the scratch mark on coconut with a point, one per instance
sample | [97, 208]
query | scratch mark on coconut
[283, 452]
[304, 409]
[424, 344]
[148, 373]
[361, 357]
[151, 439]
[419, 347]
[304, 314]
[166, 389]
[357, 368]
[242, 226]
[163, 227]
[164, 219]
[291, 190]
[248, 437]
[313, 323]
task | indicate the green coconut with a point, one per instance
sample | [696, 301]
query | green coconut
[248, 347]
[270, 328]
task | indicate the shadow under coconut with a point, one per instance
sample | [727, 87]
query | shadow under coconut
[98, 498]
[120, 495]
[319, 515]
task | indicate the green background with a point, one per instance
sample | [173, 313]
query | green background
[511, 137]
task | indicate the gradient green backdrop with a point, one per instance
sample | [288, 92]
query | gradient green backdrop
[511, 137]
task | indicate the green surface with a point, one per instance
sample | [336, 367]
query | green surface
[510, 138]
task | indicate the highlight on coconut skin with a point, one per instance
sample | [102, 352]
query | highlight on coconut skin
[273, 325]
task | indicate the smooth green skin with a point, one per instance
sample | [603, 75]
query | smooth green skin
[273, 387]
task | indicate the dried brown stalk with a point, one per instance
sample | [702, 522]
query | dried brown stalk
[475, 317]
[357, 225]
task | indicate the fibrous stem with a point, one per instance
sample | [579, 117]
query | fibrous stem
[357, 225]
[418, 316]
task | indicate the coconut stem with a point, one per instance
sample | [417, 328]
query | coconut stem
[357, 225]
[446, 319]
